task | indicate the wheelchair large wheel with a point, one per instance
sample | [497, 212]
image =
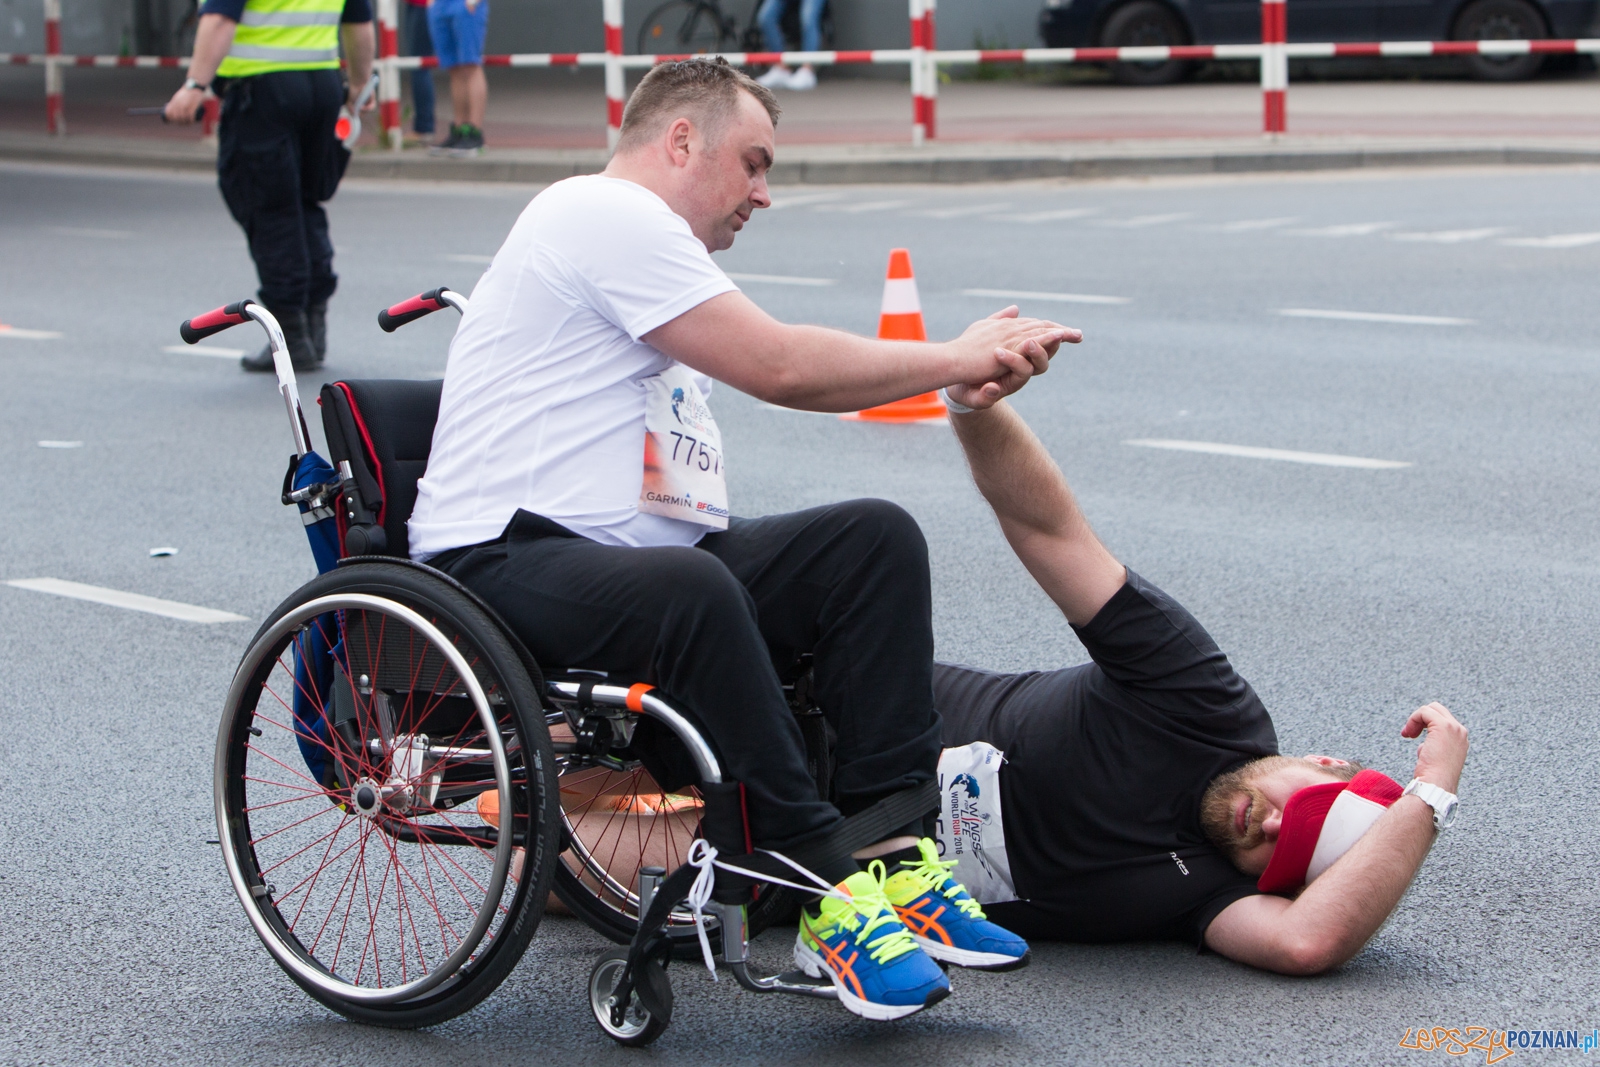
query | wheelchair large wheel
[386, 795]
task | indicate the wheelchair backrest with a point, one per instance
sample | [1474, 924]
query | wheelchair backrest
[384, 428]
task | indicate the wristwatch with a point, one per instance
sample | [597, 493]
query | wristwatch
[1442, 801]
[192, 84]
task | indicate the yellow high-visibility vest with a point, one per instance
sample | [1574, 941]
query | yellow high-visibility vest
[284, 35]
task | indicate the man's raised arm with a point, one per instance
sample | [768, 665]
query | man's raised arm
[1037, 512]
[1338, 913]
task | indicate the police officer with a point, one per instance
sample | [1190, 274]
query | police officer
[275, 63]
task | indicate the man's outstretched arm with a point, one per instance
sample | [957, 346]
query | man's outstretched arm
[1037, 512]
[1338, 913]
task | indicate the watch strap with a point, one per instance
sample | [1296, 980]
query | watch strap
[1442, 801]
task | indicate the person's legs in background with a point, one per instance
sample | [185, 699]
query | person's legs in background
[810, 41]
[458, 28]
[770, 18]
[420, 43]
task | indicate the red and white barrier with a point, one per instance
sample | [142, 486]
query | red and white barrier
[389, 73]
[922, 59]
[924, 72]
[616, 86]
[1274, 67]
[55, 120]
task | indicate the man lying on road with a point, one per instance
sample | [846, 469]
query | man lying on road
[1141, 796]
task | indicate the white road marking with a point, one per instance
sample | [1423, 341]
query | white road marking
[780, 279]
[468, 257]
[1048, 216]
[1144, 220]
[1060, 298]
[204, 350]
[958, 212]
[1320, 459]
[28, 335]
[116, 598]
[83, 231]
[1373, 316]
[1252, 224]
[1450, 237]
[60, 444]
[1560, 240]
[803, 200]
[858, 209]
[1348, 229]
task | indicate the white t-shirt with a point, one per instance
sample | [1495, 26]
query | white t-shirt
[543, 406]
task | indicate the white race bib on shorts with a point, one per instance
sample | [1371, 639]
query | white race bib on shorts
[683, 475]
[970, 828]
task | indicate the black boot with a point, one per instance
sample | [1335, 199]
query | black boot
[297, 335]
[317, 320]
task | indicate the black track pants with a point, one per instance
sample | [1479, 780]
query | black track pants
[277, 160]
[846, 582]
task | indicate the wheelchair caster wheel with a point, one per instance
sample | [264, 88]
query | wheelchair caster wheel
[640, 1025]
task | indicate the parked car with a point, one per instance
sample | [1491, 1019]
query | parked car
[1121, 23]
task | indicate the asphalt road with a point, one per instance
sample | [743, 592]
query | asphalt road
[1347, 595]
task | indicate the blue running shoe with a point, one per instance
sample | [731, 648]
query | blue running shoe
[879, 972]
[947, 923]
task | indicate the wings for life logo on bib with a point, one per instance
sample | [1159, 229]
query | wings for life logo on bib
[971, 829]
[683, 473]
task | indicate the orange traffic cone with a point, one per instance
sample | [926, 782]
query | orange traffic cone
[901, 320]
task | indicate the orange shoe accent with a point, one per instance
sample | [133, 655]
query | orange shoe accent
[844, 968]
[901, 320]
[920, 924]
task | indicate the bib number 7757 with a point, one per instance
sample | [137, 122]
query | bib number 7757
[683, 473]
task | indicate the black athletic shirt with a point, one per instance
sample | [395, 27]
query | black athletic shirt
[1105, 766]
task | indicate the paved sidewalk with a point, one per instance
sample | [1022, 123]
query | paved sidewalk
[546, 124]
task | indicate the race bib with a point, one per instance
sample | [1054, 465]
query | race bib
[970, 828]
[683, 475]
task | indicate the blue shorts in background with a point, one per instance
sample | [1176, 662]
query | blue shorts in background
[458, 32]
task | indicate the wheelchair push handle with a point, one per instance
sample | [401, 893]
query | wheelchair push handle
[392, 318]
[202, 326]
[197, 329]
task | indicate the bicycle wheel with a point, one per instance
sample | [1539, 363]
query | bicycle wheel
[376, 709]
[685, 27]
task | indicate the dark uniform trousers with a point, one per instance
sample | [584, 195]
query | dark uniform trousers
[847, 583]
[277, 161]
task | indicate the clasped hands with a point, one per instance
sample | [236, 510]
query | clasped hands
[1005, 350]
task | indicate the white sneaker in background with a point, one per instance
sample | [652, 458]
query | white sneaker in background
[779, 78]
[803, 79]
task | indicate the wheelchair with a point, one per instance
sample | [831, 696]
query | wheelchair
[400, 786]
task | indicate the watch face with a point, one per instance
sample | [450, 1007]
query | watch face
[1448, 815]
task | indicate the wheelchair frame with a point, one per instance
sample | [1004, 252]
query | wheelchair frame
[629, 992]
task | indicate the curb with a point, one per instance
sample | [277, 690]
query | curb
[851, 164]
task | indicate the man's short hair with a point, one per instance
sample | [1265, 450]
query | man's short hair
[705, 91]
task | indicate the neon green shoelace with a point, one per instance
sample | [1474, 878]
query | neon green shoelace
[936, 873]
[876, 911]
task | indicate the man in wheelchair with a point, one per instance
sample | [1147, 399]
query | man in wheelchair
[1141, 795]
[576, 484]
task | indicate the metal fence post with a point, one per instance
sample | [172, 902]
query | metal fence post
[1274, 67]
[55, 118]
[616, 87]
[389, 73]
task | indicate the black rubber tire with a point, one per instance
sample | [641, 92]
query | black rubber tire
[603, 974]
[684, 26]
[1146, 23]
[456, 616]
[1503, 20]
